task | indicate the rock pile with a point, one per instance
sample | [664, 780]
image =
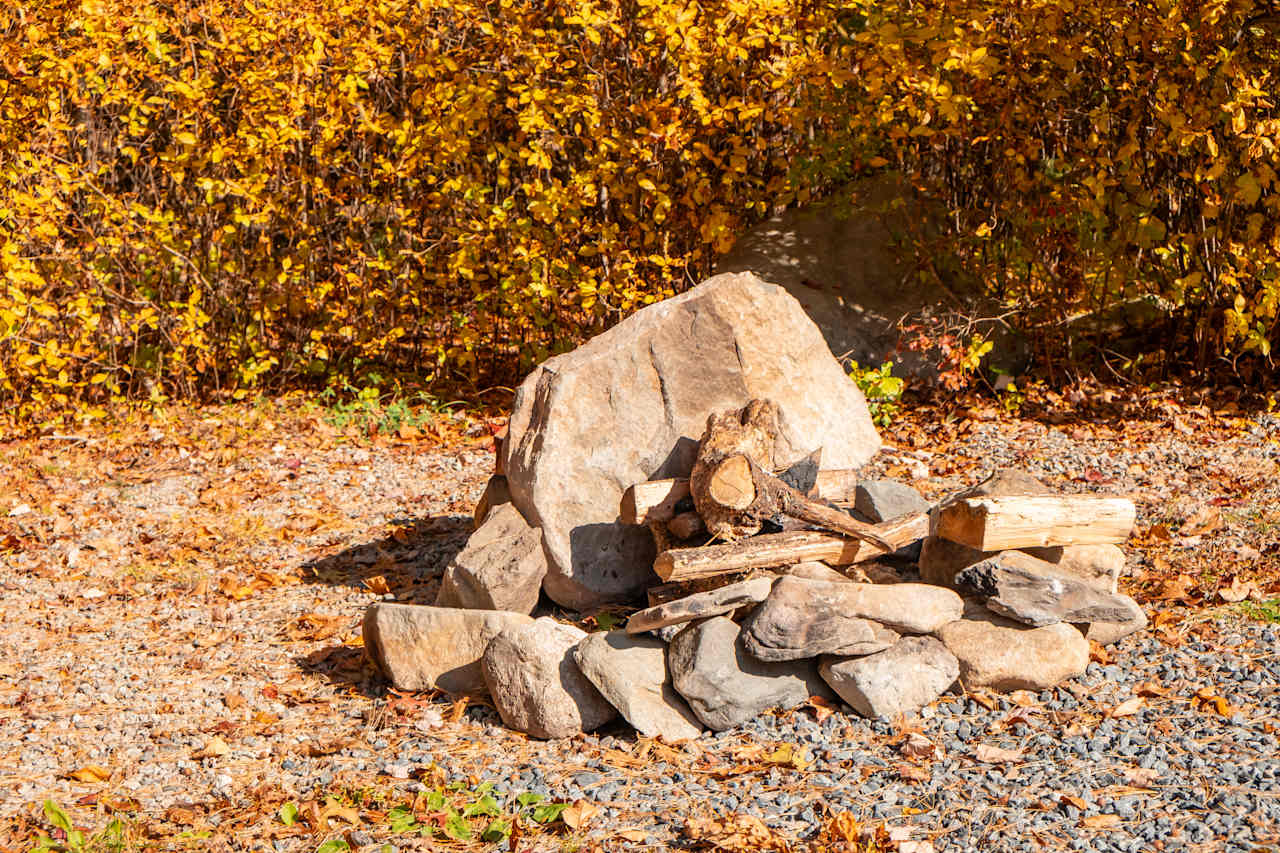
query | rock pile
[1000, 587]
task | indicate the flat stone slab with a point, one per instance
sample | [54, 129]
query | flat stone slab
[1002, 654]
[419, 647]
[1037, 598]
[724, 685]
[536, 684]
[802, 608]
[501, 567]
[725, 599]
[630, 405]
[631, 673]
[902, 679]
[1107, 633]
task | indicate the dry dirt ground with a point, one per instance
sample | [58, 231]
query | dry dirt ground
[181, 663]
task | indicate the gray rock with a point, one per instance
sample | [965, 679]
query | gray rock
[1107, 633]
[631, 673]
[724, 685]
[496, 493]
[1096, 565]
[1100, 565]
[803, 618]
[418, 647]
[901, 679]
[667, 633]
[882, 500]
[725, 599]
[1007, 482]
[536, 684]
[1038, 598]
[501, 567]
[1002, 654]
[630, 405]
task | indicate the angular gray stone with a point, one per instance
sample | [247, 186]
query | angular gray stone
[790, 626]
[1106, 633]
[1007, 482]
[631, 673]
[803, 618]
[1002, 654]
[724, 685]
[1100, 565]
[418, 647]
[536, 684]
[501, 567]
[902, 679]
[1037, 598]
[882, 500]
[630, 405]
[725, 599]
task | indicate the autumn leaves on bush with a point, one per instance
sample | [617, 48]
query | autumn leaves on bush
[204, 198]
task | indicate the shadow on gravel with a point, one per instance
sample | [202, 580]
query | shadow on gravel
[406, 564]
[344, 668]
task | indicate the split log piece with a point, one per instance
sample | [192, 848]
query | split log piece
[722, 480]
[1002, 523]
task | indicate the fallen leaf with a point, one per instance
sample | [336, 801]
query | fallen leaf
[790, 756]
[842, 827]
[333, 808]
[579, 814]
[1238, 591]
[995, 754]
[1205, 520]
[822, 708]
[1205, 697]
[1099, 654]
[914, 773]
[91, 773]
[215, 747]
[918, 746]
[1100, 821]
[737, 833]
[377, 585]
[1128, 707]
[986, 700]
[1072, 800]
[1141, 777]
[635, 835]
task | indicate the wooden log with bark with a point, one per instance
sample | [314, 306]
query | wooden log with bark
[785, 549]
[1001, 523]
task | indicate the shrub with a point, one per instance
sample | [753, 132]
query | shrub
[208, 197]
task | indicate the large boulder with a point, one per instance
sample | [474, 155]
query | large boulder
[418, 647]
[902, 679]
[631, 673]
[630, 404]
[536, 684]
[1001, 654]
[501, 567]
[724, 685]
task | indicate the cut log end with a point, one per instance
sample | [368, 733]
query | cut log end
[730, 484]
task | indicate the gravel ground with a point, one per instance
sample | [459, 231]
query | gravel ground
[181, 649]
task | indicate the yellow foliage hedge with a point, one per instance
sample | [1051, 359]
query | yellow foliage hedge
[205, 196]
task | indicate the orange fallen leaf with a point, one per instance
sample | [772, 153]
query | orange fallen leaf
[1238, 591]
[215, 747]
[918, 746]
[1100, 821]
[634, 835]
[91, 773]
[1205, 697]
[996, 754]
[914, 773]
[1128, 707]
[579, 814]
[377, 585]
[1072, 800]
[843, 827]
